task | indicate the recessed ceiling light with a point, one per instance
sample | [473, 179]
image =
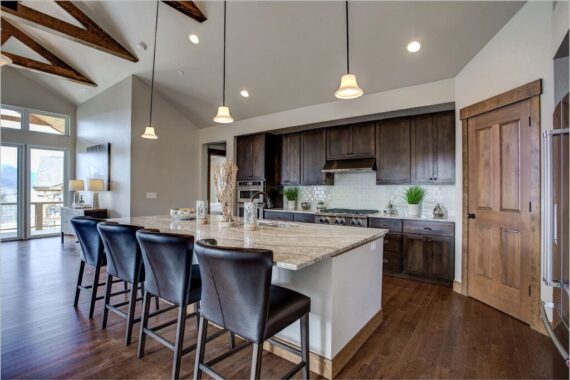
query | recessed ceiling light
[414, 47]
[244, 93]
[194, 39]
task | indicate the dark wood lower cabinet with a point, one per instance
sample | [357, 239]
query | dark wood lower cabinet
[429, 256]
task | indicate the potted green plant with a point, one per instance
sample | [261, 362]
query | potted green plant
[414, 195]
[292, 194]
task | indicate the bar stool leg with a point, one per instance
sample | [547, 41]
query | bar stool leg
[256, 361]
[144, 324]
[305, 346]
[94, 290]
[179, 341]
[79, 280]
[108, 287]
[201, 347]
[131, 312]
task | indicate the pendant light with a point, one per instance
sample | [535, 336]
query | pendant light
[348, 86]
[223, 115]
[149, 131]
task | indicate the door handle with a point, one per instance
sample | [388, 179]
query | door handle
[427, 228]
[470, 215]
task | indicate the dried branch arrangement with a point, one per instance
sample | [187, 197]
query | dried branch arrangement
[225, 176]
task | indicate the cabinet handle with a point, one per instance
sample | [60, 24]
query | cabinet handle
[386, 241]
[431, 178]
[435, 178]
[385, 225]
[386, 261]
[427, 228]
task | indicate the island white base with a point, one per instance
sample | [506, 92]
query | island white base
[346, 306]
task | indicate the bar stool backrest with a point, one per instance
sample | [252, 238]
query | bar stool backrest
[235, 287]
[123, 252]
[92, 251]
[167, 262]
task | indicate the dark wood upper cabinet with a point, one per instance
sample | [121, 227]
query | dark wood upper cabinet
[351, 141]
[256, 158]
[291, 159]
[433, 148]
[244, 158]
[313, 158]
[393, 151]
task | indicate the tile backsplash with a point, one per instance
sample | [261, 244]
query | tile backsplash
[359, 190]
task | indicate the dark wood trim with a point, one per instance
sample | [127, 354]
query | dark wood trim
[212, 152]
[91, 35]
[509, 97]
[188, 8]
[56, 66]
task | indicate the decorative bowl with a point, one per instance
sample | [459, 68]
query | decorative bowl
[305, 206]
[183, 213]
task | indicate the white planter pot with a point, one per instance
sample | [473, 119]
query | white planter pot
[414, 210]
[291, 205]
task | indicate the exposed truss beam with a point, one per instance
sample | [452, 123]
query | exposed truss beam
[93, 35]
[55, 66]
[188, 8]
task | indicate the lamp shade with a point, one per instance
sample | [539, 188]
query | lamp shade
[348, 88]
[95, 185]
[76, 185]
[149, 133]
[223, 115]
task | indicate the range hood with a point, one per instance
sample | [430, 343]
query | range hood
[352, 165]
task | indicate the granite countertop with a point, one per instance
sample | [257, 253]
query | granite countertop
[380, 215]
[295, 211]
[295, 247]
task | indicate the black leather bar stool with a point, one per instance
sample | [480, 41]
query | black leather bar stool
[93, 254]
[170, 275]
[237, 294]
[124, 261]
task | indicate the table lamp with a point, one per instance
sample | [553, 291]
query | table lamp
[95, 185]
[76, 185]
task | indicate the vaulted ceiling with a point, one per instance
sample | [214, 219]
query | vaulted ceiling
[287, 54]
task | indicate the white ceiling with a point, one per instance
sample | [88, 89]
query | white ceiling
[287, 54]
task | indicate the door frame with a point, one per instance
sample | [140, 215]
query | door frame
[21, 230]
[212, 152]
[530, 91]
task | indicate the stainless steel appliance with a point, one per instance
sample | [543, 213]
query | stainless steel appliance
[246, 190]
[556, 256]
[344, 217]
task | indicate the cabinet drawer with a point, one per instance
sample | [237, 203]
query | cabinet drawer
[392, 262]
[304, 218]
[393, 243]
[429, 228]
[394, 225]
[101, 214]
[276, 215]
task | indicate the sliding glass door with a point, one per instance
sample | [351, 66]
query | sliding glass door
[11, 177]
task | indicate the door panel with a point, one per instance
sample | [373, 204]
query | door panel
[338, 143]
[393, 151]
[314, 157]
[10, 202]
[500, 235]
[444, 151]
[422, 149]
[244, 157]
[363, 140]
[441, 257]
[258, 156]
[415, 256]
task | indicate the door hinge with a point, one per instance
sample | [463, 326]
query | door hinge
[529, 121]
[529, 206]
[529, 290]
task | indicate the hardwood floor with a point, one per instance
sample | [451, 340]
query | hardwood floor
[428, 332]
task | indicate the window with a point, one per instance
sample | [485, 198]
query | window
[34, 121]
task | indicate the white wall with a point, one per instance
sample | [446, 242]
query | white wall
[519, 53]
[106, 118]
[166, 166]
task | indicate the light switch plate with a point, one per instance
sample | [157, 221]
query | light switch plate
[151, 195]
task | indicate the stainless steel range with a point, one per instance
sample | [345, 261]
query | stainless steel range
[344, 217]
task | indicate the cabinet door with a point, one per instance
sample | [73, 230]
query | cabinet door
[422, 149]
[441, 257]
[416, 260]
[313, 157]
[444, 150]
[294, 148]
[338, 143]
[258, 156]
[363, 138]
[244, 158]
[393, 152]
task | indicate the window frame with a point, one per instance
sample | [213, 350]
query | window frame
[25, 112]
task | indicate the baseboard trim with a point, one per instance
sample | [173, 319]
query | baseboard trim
[457, 287]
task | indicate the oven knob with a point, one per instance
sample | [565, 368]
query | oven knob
[327, 221]
[358, 223]
[322, 220]
[337, 221]
[353, 223]
[342, 222]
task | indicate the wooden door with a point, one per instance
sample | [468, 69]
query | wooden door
[393, 152]
[500, 236]
[338, 143]
[422, 149]
[258, 156]
[244, 158]
[444, 150]
[416, 259]
[291, 159]
[363, 138]
[313, 157]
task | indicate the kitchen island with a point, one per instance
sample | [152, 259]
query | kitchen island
[339, 268]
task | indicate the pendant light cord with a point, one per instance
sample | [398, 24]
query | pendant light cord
[153, 63]
[224, 69]
[347, 41]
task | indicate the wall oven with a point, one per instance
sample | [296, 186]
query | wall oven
[245, 190]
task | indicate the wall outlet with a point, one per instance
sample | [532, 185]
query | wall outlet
[151, 195]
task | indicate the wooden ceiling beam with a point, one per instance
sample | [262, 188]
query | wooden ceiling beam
[93, 35]
[55, 66]
[189, 8]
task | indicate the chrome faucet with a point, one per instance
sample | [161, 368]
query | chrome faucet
[267, 202]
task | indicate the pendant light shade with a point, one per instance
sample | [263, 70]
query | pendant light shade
[149, 132]
[223, 115]
[348, 88]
